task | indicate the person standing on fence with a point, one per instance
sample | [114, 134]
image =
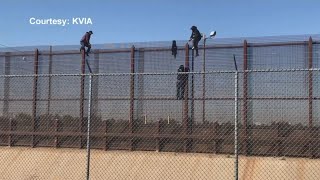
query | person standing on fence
[85, 42]
[181, 82]
[195, 38]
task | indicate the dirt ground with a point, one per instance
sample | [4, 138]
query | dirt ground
[49, 163]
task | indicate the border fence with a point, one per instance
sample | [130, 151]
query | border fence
[268, 105]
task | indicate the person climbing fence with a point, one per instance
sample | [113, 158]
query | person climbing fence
[85, 42]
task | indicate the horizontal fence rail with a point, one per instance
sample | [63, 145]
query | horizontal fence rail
[145, 99]
[158, 113]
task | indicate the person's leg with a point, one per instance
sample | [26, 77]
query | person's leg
[183, 85]
[82, 45]
[181, 89]
[89, 48]
[195, 45]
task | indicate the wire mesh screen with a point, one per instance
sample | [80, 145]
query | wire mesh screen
[278, 57]
[180, 117]
[277, 117]
[111, 62]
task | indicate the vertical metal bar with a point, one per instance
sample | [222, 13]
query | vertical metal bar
[131, 123]
[204, 81]
[6, 94]
[56, 128]
[82, 95]
[89, 126]
[191, 120]
[158, 146]
[215, 135]
[11, 128]
[192, 87]
[186, 96]
[139, 83]
[6, 84]
[236, 90]
[310, 61]
[105, 137]
[310, 82]
[95, 86]
[35, 91]
[245, 96]
[50, 79]
[49, 95]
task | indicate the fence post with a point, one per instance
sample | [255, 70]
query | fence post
[131, 115]
[6, 84]
[310, 79]
[95, 86]
[139, 83]
[56, 130]
[35, 91]
[6, 94]
[245, 97]
[186, 99]
[50, 80]
[192, 86]
[89, 125]
[236, 93]
[204, 81]
[82, 96]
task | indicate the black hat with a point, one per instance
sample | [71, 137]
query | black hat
[193, 27]
[90, 32]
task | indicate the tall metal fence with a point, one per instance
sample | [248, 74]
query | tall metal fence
[136, 100]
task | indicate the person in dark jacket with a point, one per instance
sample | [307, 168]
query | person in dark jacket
[196, 37]
[85, 42]
[181, 82]
[174, 48]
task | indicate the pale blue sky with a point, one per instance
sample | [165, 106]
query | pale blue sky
[154, 20]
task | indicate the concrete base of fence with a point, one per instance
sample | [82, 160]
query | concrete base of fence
[50, 163]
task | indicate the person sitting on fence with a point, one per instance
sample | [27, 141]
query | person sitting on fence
[181, 82]
[85, 42]
[195, 37]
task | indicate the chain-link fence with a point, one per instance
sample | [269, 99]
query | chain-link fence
[276, 136]
[143, 114]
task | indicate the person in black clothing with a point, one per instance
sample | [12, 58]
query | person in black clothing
[196, 37]
[174, 48]
[181, 82]
[85, 42]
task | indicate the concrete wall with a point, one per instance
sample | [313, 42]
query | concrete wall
[50, 163]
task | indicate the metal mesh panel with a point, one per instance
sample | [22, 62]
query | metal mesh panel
[66, 87]
[164, 61]
[278, 57]
[107, 109]
[278, 121]
[22, 65]
[278, 84]
[222, 59]
[169, 133]
[2, 64]
[112, 62]
[316, 55]
[21, 88]
[66, 64]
